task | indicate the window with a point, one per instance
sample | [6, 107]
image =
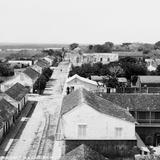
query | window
[118, 132]
[143, 115]
[82, 130]
[101, 59]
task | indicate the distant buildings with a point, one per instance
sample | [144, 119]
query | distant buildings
[77, 59]
[147, 81]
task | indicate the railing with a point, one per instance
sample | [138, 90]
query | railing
[148, 121]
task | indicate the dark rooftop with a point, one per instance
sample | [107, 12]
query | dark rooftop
[31, 73]
[138, 102]
[104, 106]
[17, 91]
[6, 109]
[83, 152]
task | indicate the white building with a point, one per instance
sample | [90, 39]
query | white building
[27, 78]
[87, 117]
[104, 58]
[24, 62]
[76, 82]
[17, 96]
[77, 59]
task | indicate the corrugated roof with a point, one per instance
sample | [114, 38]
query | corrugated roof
[83, 152]
[138, 102]
[17, 91]
[31, 73]
[149, 79]
[104, 106]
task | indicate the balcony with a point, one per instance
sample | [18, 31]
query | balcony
[148, 121]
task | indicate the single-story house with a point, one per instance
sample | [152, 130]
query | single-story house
[77, 81]
[17, 96]
[145, 108]
[49, 59]
[21, 62]
[7, 116]
[40, 65]
[89, 119]
[147, 81]
[83, 152]
[27, 78]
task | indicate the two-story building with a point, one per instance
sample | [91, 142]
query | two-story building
[146, 110]
[104, 58]
[91, 120]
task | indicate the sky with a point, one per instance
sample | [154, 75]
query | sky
[80, 21]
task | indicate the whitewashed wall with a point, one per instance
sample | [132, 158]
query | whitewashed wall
[99, 126]
[81, 84]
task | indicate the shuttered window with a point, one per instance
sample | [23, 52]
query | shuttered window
[82, 130]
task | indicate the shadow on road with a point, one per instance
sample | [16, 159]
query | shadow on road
[18, 127]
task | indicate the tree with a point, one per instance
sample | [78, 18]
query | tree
[111, 82]
[158, 70]
[73, 46]
[40, 84]
[157, 45]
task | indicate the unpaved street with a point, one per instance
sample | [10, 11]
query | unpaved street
[37, 138]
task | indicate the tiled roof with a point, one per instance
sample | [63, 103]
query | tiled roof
[138, 102]
[31, 73]
[129, 54]
[42, 63]
[7, 110]
[17, 91]
[104, 106]
[149, 79]
[83, 152]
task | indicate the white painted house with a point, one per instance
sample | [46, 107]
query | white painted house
[87, 117]
[27, 78]
[49, 59]
[17, 96]
[24, 62]
[76, 82]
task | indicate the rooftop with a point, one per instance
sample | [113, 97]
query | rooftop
[82, 79]
[149, 79]
[83, 152]
[31, 73]
[17, 91]
[138, 102]
[101, 105]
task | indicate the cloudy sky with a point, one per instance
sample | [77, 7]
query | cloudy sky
[81, 21]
